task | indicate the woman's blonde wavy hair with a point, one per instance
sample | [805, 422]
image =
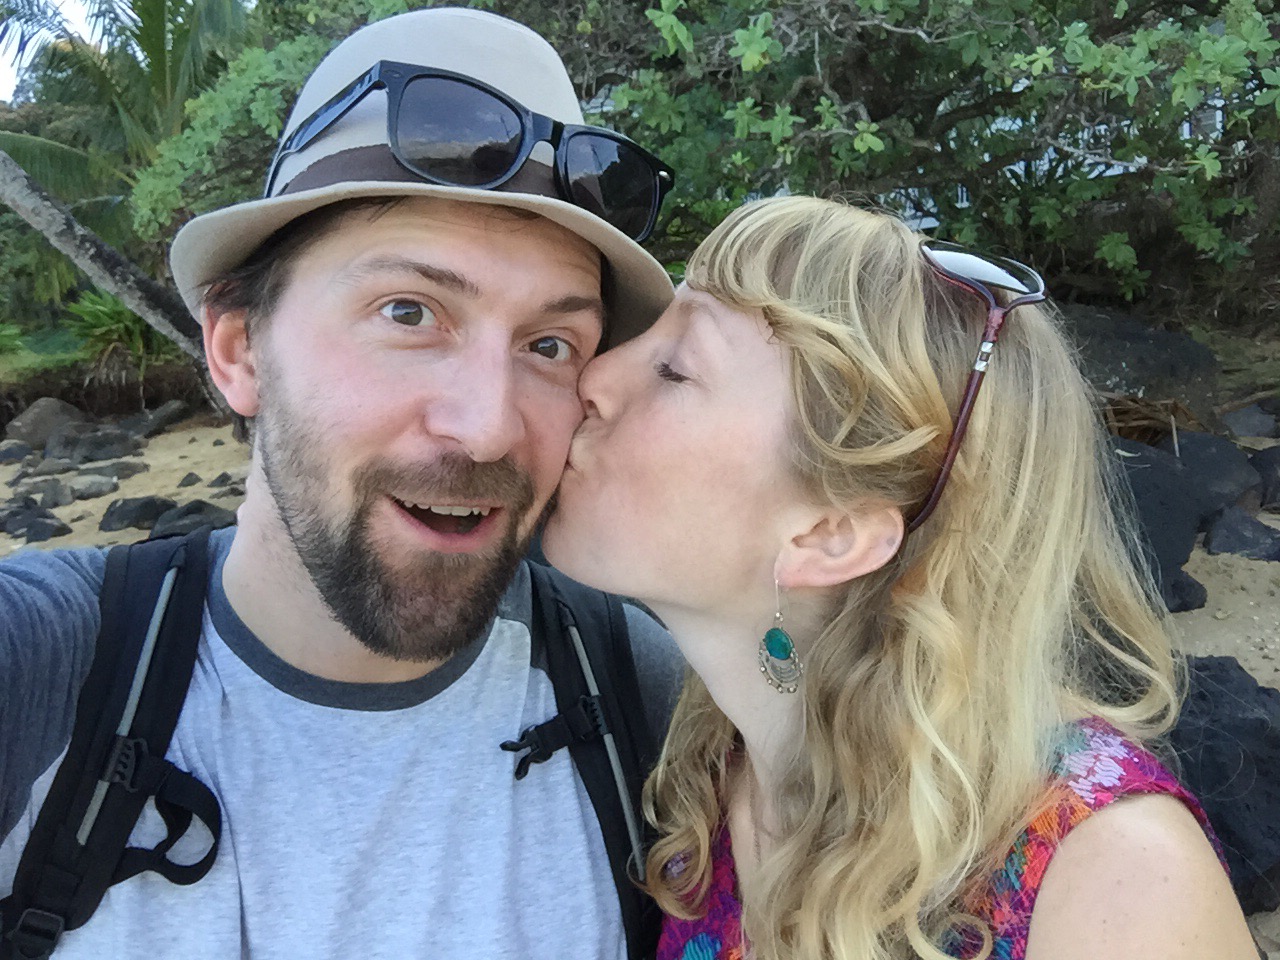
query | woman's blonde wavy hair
[932, 697]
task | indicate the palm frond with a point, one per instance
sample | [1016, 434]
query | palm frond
[214, 31]
[111, 21]
[116, 83]
[23, 22]
[140, 133]
[67, 172]
[151, 32]
[76, 71]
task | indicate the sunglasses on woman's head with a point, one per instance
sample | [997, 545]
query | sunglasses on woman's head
[455, 131]
[982, 276]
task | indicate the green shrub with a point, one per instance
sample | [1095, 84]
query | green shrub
[10, 338]
[106, 326]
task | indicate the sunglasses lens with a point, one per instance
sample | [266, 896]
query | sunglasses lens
[996, 272]
[613, 180]
[456, 133]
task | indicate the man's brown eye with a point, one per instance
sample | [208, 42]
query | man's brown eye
[553, 348]
[409, 313]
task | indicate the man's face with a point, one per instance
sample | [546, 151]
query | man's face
[416, 398]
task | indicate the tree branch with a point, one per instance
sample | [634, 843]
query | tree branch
[157, 304]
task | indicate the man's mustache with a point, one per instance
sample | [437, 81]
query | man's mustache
[450, 476]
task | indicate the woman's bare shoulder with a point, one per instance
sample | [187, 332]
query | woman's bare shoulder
[1139, 880]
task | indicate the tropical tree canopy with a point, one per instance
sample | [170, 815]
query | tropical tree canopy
[1128, 148]
[90, 111]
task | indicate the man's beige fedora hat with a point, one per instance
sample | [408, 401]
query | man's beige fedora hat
[352, 159]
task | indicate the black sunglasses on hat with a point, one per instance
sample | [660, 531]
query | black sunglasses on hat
[454, 130]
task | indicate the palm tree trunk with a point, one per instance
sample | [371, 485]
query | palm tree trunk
[155, 303]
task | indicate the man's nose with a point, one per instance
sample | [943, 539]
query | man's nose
[481, 410]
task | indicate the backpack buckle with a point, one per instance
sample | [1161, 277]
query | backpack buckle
[124, 763]
[583, 721]
[37, 934]
[532, 740]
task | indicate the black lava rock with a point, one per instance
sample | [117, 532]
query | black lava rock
[119, 470]
[1235, 531]
[221, 480]
[52, 466]
[40, 421]
[14, 451]
[149, 423]
[16, 513]
[1184, 592]
[1219, 468]
[92, 485]
[85, 443]
[1170, 510]
[1267, 463]
[190, 480]
[23, 517]
[137, 512]
[50, 492]
[1228, 744]
[1250, 421]
[192, 516]
[162, 418]
[41, 529]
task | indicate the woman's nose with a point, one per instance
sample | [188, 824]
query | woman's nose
[595, 384]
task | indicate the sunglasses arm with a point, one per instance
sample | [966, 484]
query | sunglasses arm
[957, 434]
[995, 320]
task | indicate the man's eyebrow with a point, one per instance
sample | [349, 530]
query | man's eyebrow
[445, 278]
[575, 303]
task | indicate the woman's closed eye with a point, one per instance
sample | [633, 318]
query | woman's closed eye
[666, 373]
[408, 313]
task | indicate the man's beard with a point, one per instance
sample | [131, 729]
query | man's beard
[427, 608]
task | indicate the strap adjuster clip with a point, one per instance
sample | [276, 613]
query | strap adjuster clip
[37, 934]
[124, 764]
[593, 713]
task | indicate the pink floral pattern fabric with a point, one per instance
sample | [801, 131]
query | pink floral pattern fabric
[718, 934]
[1094, 765]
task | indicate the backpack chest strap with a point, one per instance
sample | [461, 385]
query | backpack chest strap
[582, 722]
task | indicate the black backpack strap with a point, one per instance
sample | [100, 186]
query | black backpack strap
[602, 722]
[152, 603]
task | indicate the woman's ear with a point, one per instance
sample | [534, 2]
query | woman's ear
[230, 359]
[838, 546]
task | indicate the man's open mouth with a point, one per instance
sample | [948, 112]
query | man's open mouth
[447, 518]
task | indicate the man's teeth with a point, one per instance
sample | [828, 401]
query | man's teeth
[451, 511]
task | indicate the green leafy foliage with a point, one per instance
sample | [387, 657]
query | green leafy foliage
[1130, 149]
[103, 324]
[91, 110]
[231, 134]
[1018, 125]
[10, 338]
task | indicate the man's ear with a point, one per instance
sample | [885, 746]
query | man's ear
[838, 546]
[230, 359]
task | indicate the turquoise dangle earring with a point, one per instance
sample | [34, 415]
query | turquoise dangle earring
[781, 667]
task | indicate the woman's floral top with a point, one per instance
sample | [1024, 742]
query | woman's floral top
[1093, 766]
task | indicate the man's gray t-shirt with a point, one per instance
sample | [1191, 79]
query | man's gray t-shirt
[359, 820]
